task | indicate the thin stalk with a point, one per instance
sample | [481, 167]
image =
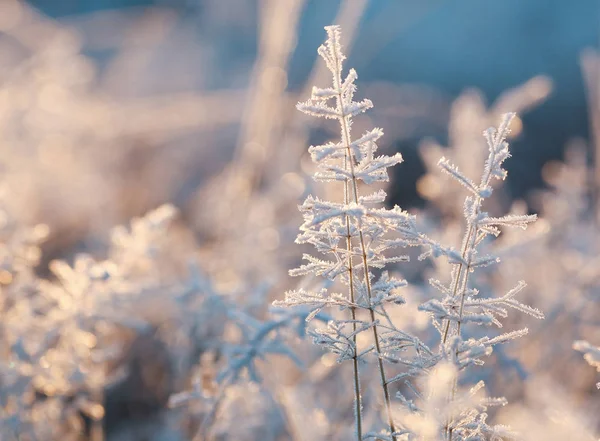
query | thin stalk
[462, 280]
[357, 397]
[467, 246]
[456, 281]
[347, 142]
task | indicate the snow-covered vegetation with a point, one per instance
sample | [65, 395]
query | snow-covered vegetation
[472, 318]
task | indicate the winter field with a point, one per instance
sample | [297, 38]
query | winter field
[214, 227]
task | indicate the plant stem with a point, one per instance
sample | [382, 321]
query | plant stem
[467, 245]
[357, 397]
[347, 142]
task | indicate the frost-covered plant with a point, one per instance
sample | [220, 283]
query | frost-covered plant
[469, 116]
[355, 237]
[61, 347]
[462, 303]
[352, 234]
[560, 262]
[231, 334]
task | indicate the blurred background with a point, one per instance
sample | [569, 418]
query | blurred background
[165, 88]
[112, 108]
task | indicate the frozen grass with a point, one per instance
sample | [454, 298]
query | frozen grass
[163, 328]
[354, 238]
